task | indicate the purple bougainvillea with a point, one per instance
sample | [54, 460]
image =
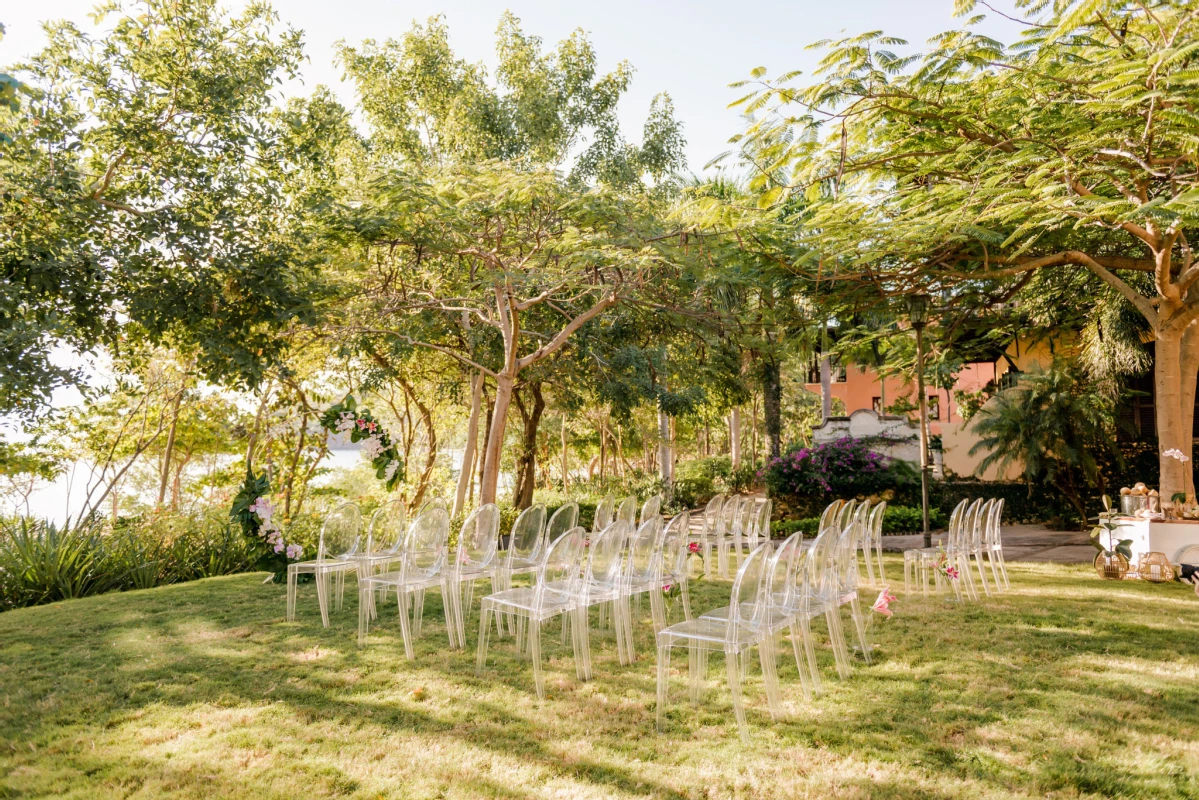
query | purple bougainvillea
[845, 467]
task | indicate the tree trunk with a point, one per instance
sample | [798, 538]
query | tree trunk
[603, 455]
[565, 462]
[1170, 430]
[504, 385]
[735, 438]
[426, 416]
[295, 460]
[753, 431]
[772, 406]
[664, 461]
[472, 439]
[620, 450]
[1189, 354]
[168, 450]
[526, 462]
[481, 458]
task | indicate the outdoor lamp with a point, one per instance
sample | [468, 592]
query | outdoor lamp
[918, 309]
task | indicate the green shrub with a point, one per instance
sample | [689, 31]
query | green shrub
[906, 519]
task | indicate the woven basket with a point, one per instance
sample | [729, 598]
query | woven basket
[1155, 567]
[1111, 568]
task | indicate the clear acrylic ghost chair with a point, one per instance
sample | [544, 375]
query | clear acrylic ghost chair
[759, 531]
[872, 544]
[605, 512]
[861, 516]
[920, 563]
[434, 502]
[995, 544]
[384, 541]
[674, 559]
[725, 565]
[422, 567]
[799, 604]
[554, 593]
[782, 610]
[829, 515]
[709, 535]
[740, 631]
[823, 596]
[650, 508]
[741, 519]
[958, 552]
[563, 519]
[474, 558]
[845, 514]
[847, 582]
[526, 545]
[642, 575]
[627, 512]
[336, 552]
[601, 586]
[974, 543]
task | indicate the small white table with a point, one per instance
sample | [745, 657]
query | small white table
[1171, 538]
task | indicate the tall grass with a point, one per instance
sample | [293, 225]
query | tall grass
[42, 562]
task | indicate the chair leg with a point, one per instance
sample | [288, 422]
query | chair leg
[535, 653]
[837, 636]
[859, 624]
[484, 629]
[322, 596]
[449, 597]
[418, 613]
[405, 628]
[732, 667]
[291, 594]
[982, 574]
[805, 685]
[364, 611]
[869, 565]
[663, 685]
[805, 626]
[882, 575]
[769, 658]
[994, 571]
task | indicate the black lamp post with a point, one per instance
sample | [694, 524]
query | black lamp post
[918, 314]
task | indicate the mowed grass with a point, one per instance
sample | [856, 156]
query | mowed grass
[1068, 686]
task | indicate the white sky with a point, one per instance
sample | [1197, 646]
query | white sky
[691, 49]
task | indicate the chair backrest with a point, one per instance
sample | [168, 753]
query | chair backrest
[642, 562]
[651, 507]
[862, 513]
[982, 521]
[479, 538]
[966, 525]
[846, 556]
[527, 537]
[341, 533]
[558, 575]
[385, 532]
[830, 512]
[712, 515]
[563, 519]
[955, 518]
[603, 514]
[994, 538]
[732, 505]
[787, 561]
[425, 545]
[605, 556]
[822, 562]
[628, 511]
[876, 521]
[845, 515]
[747, 603]
[434, 502]
[674, 543]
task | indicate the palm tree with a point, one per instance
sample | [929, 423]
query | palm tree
[1053, 425]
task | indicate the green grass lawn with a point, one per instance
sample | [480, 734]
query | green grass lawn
[1066, 687]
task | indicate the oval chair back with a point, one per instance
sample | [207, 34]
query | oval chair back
[478, 539]
[385, 532]
[628, 511]
[559, 574]
[425, 545]
[341, 533]
[527, 539]
[651, 508]
[829, 514]
[712, 515]
[563, 519]
[747, 609]
[603, 514]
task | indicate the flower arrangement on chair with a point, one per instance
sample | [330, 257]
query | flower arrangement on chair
[945, 568]
[346, 417]
[883, 604]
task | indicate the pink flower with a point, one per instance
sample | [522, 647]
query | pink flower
[370, 426]
[693, 547]
[883, 604]
[279, 546]
[667, 587]
[361, 424]
[294, 551]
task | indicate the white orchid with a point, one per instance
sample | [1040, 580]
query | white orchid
[392, 466]
[1177, 454]
[372, 446]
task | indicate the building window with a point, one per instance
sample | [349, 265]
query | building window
[934, 407]
[836, 369]
[877, 404]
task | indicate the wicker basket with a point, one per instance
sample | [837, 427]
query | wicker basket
[1155, 567]
[1111, 567]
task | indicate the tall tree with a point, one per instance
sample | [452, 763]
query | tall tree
[969, 168]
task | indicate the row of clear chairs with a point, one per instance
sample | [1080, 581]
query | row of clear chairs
[840, 513]
[974, 536]
[777, 591]
[732, 526]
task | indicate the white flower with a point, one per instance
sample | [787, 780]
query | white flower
[1178, 454]
[262, 507]
[372, 446]
[345, 422]
[392, 466]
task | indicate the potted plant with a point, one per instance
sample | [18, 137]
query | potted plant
[1111, 562]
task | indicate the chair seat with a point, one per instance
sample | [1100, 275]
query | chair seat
[776, 617]
[411, 580]
[553, 601]
[328, 565]
[708, 631]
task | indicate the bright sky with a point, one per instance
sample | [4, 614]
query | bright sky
[692, 50]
